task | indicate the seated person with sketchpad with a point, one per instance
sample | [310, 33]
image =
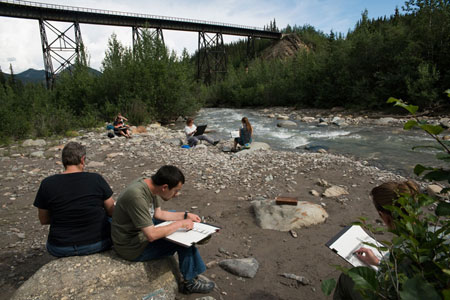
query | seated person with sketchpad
[136, 237]
[120, 129]
[193, 134]
[77, 206]
[245, 135]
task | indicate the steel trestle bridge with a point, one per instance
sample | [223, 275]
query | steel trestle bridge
[211, 51]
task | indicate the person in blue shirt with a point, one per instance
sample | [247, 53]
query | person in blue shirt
[245, 135]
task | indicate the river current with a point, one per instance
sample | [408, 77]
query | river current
[386, 147]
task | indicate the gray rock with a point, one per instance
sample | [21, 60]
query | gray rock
[315, 148]
[95, 164]
[244, 267]
[445, 122]
[100, 276]
[34, 143]
[299, 279]
[175, 142]
[206, 298]
[322, 124]
[37, 154]
[335, 191]
[385, 121]
[255, 146]
[335, 120]
[434, 190]
[308, 119]
[314, 193]
[282, 117]
[286, 217]
[322, 182]
[287, 124]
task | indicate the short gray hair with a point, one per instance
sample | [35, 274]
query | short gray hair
[72, 154]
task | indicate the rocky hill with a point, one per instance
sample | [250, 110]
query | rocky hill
[288, 46]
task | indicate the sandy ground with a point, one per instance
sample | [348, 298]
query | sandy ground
[22, 238]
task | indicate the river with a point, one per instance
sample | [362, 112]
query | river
[386, 147]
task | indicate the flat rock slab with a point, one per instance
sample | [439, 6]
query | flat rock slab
[335, 191]
[269, 215]
[244, 267]
[100, 276]
[255, 146]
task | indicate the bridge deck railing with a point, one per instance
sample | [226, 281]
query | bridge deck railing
[127, 14]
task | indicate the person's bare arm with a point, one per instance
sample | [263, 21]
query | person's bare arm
[44, 216]
[109, 206]
[153, 233]
[173, 216]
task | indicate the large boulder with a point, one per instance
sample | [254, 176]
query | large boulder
[34, 143]
[255, 146]
[269, 215]
[100, 276]
[445, 122]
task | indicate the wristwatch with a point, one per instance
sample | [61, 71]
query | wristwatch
[186, 214]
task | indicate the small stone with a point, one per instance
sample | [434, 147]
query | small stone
[314, 193]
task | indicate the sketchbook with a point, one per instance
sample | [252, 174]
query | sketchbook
[350, 239]
[187, 238]
[234, 134]
[200, 130]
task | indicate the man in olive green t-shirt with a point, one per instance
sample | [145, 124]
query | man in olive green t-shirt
[136, 238]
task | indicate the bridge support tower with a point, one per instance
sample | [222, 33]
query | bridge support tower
[155, 33]
[212, 59]
[61, 51]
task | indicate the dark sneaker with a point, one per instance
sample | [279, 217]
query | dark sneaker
[215, 143]
[197, 286]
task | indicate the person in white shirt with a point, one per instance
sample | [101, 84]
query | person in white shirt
[190, 129]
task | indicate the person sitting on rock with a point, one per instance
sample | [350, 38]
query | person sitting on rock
[245, 135]
[77, 206]
[190, 129]
[135, 236]
[120, 129]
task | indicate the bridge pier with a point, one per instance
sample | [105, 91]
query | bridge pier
[156, 33]
[211, 58]
[250, 47]
[60, 52]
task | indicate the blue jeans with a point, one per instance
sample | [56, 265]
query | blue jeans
[190, 262]
[63, 251]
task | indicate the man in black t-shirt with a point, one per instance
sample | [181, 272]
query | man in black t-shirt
[76, 205]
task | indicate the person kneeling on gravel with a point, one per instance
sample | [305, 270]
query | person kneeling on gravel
[77, 205]
[135, 236]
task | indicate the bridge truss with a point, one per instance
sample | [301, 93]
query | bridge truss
[62, 51]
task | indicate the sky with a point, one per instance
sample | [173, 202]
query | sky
[20, 41]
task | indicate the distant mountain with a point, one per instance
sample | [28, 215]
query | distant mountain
[38, 76]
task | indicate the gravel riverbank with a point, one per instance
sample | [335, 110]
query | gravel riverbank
[219, 186]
